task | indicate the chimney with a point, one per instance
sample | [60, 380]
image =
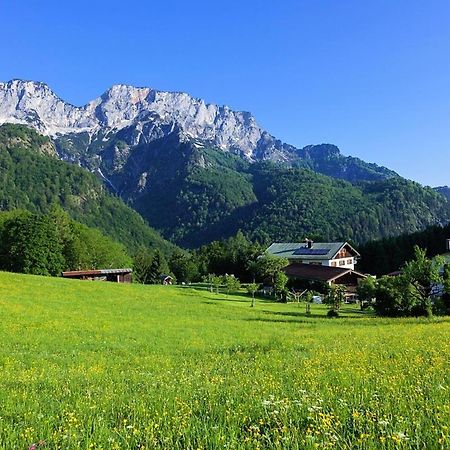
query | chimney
[308, 243]
[447, 245]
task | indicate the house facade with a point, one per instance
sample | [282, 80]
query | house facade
[332, 263]
[329, 275]
[330, 254]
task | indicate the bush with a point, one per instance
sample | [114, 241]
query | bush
[414, 292]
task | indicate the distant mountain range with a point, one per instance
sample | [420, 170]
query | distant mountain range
[199, 172]
[103, 134]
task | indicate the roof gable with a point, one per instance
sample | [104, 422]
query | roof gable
[318, 251]
[349, 248]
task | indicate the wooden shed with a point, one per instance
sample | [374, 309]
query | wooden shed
[114, 275]
[166, 279]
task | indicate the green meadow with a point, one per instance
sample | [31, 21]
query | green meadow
[105, 366]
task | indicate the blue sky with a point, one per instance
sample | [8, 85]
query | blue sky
[372, 77]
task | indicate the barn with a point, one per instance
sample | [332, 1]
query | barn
[113, 275]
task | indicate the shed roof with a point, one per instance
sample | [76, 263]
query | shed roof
[318, 251]
[82, 273]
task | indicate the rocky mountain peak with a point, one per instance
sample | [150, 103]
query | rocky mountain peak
[138, 116]
[120, 96]
[35, 104]
[122, 106]
[26, 85]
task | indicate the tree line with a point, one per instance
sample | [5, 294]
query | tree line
[387, 255]
[235, 256]
[47, 244]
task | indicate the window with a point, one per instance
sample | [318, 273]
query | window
[333, 263]
[349, 261]
[342, 262]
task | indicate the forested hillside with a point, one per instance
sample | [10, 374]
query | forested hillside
[444, 190]
[47, 244]
[387, 255]
[328, 160]
[195, 194]
[293, 203]
[34, 179]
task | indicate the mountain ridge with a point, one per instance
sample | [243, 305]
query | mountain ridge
[443, 190]
[198, 172]
[121, 105]
[152, 114]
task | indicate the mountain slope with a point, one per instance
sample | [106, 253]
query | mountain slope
[199, 172]
[125, 117]
[327, 160]
[33, 178]
[443, 190]
[389, 254]
[295, 203]
[194, 194]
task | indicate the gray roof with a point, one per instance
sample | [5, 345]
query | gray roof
[75, 273]
[299, 250]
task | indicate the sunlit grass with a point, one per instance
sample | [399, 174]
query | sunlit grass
[98, 365]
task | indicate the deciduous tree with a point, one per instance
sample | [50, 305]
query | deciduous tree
[251, 289]
[231, 283]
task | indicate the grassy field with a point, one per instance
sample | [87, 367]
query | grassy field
[98, 365]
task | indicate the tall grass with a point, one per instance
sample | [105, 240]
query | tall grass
[106, 366]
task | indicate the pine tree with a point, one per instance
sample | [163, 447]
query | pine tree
[142, 262]
[158, 267]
